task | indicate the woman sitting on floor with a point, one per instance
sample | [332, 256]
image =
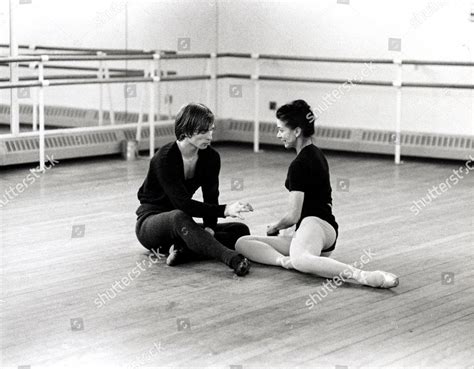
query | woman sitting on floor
[309, 207]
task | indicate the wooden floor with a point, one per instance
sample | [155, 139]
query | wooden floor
[70, 236]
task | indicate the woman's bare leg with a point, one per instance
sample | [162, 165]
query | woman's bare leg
[305, 250]
[271, 250]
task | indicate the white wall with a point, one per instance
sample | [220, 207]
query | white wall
[429, 29]
[137, 24]
[434, 30]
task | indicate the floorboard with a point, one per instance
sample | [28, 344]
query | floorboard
[70, 236]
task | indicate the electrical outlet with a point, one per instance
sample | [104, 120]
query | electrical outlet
[272, 105]
[168, 73]
[168, 99]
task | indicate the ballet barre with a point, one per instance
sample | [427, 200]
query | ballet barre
[152, 76]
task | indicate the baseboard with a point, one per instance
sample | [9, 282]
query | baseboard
[362, 140]
[104, 142]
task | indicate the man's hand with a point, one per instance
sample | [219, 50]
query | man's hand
[234, 210]
[210, 231]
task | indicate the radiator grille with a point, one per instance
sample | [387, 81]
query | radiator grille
[271, 128]
[100, 142]
[419, 139]
[75, 140]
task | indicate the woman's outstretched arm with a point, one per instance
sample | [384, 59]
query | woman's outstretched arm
[292, 216]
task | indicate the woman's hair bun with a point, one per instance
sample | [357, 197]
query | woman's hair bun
[297, 114]
[301, 104]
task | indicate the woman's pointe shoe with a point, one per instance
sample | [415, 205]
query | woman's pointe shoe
[285, 262]
[379, 279]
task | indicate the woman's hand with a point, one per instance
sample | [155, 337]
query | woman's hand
[272, 230]
[234, 210]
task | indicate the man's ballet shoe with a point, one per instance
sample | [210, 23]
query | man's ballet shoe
[176, 256]
[242, 267]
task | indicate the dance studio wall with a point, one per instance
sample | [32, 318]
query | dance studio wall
[137, 24]
[429, 29]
